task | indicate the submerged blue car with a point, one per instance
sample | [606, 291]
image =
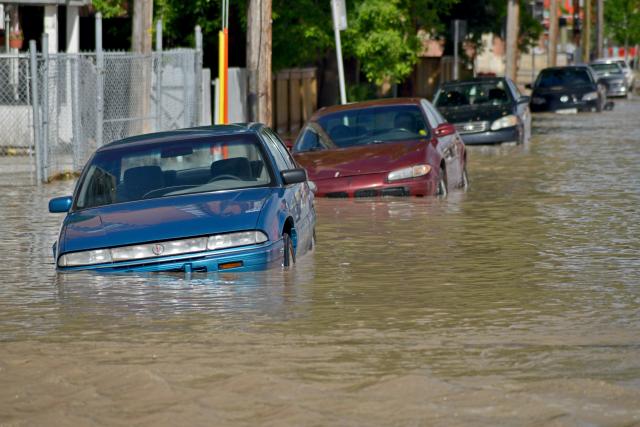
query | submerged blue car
[221, 198]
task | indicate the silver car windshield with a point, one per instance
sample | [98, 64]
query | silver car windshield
[125, 174]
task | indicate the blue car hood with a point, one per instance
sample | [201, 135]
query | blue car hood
[162, 219]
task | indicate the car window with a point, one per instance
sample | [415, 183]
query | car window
[563, 77]
[490, 92]
[282, 148]
[439, 118]
[275, 152]
[147, 171]
[514, 89]
[374, 125]
[308, 140]
[431, 117]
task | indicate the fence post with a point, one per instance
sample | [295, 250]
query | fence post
[198, 76]
[99, 82]
[159, 75]
[37, 141]
[45, 107]
[75, 113]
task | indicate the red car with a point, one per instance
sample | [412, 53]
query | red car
[390, 147]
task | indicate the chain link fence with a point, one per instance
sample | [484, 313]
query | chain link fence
[61, 107]
[16, 129]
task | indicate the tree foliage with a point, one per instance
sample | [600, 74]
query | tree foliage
[110, 8]
[622, 20]
[383, 35]
[489, 16]
[302, 32]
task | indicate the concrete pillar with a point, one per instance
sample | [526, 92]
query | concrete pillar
[51, 26]
[73, 29]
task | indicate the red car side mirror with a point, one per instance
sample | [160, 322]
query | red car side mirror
[445, 129]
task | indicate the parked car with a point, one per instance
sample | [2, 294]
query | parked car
[485, 110]
[567, 89]
[204, 199]
[390, 147]
[610, 73]
[630, 76]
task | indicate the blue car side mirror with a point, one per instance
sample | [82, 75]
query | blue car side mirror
[294, 176]
[60, 204]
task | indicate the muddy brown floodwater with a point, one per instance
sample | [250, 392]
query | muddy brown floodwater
[515, 303]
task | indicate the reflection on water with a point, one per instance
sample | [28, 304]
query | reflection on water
[514, 303]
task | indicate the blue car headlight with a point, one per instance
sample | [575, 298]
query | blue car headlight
[231, 240]
[162, 249]
[98, 256]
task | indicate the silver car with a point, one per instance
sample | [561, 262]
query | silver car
[611, 74]
[628, 72]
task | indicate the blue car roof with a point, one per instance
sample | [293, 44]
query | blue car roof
[187, 133]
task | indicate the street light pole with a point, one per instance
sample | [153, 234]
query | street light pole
[336, 9]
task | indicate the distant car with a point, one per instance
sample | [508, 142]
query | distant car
[569, 89]
[611, 74]
[630, 76]
[390, 147]
[222, 198]
[485, 110]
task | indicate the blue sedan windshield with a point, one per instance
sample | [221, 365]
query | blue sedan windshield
[144, 171]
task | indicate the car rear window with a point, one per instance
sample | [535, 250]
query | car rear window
[135, 172]
[563, 77]
[374, 125]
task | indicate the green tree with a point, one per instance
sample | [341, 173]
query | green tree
[489, 16]
[302, 32]
[383, 35]
[622, 21]
[110, 8]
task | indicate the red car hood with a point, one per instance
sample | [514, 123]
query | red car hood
[362, 160]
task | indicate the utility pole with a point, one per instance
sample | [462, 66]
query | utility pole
[586, 32]
[142, 22]
[513, 21]
[553, 33]
[577, 29]
[600, 29]
[259, 61]
[141, 43]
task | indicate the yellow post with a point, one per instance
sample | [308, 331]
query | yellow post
[222, 78]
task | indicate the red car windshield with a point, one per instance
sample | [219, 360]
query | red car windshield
[374, 125]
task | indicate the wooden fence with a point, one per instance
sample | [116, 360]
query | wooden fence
[295, 99]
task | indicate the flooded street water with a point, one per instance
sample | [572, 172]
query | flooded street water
[515, 303]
